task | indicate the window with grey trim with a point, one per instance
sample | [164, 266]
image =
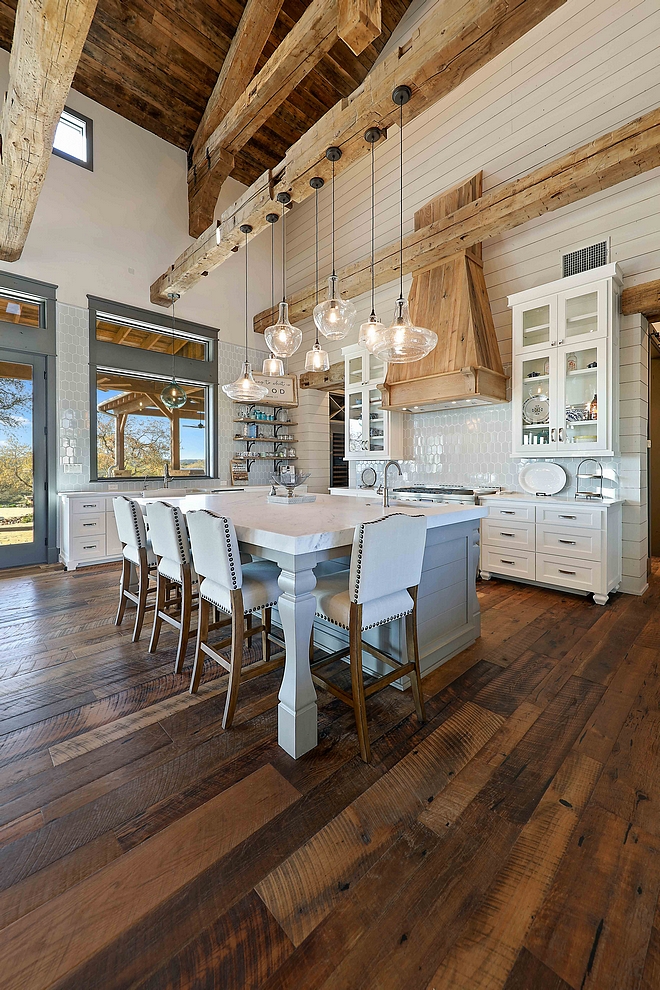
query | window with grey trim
[134, 354]
[74, 138]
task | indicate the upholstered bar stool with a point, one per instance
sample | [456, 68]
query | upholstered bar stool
[381, 586]
[238, 590]
[171, 545]
[136, 549]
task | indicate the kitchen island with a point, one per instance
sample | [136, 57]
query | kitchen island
[304, 536]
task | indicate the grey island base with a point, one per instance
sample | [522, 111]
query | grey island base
[302, 537]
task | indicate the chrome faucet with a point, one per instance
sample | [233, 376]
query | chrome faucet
[166, 475]
[386, 494]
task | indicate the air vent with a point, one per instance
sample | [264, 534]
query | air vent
[584, 259]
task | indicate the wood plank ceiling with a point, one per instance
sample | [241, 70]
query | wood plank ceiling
[155, 62]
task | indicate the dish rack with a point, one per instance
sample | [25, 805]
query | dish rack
[592, 474]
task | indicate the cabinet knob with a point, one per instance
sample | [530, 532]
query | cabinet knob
[561, 341]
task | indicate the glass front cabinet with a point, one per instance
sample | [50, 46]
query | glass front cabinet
[566, 366]
[372, 433]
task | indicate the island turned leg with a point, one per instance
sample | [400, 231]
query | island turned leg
[296, 715]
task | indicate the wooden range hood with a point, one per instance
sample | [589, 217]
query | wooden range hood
[465, 368]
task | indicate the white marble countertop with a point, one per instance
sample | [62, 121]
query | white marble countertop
[551, 499]
[305, 527]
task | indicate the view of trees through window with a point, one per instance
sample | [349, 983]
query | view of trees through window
[137, 434]
[16, 462]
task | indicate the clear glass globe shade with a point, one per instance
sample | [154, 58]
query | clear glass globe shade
[173, 395]
[245, 389]
[539, 393]
[273, 366]
[317, 359]
[283, 339]
[403, 342]
[370, 333]
[334, 317]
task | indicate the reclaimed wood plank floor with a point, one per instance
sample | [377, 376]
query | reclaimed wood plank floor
[512, 842]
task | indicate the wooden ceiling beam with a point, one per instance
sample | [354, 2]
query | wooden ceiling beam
[644, 299]
[359, 23]
[600, 164]
[303, 47]
[451, 43]
[48, 39]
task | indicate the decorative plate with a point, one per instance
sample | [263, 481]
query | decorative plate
[536, 410]
[368, 478]
[542, 478]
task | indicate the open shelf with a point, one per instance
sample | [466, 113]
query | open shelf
[268, 422]
[581, 371]
[265, 440]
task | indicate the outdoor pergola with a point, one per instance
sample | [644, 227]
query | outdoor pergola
[142, 398]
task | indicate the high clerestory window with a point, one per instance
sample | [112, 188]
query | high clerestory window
[133, 355]
[74, 139]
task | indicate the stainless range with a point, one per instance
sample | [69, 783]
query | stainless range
[442, 493]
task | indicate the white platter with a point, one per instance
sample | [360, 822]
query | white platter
[542, 478]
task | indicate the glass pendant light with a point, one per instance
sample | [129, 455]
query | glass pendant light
[272, 365]
[283, 339]
[174, 396]
[334, 317]
[317, 359]
[403, 342]
[245, 389]
[371, 330]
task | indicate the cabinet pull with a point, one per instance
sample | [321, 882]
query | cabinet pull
[507, 512]
[507, 534]
[92, 546]
[512, 562]
[561, 434]
[566, 572]
[568, 517]
[88, 524]
[89, 505]
[561, 341]
[570, 543]
[552, 435]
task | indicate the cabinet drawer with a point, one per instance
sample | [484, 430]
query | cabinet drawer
[504, 533]
[582, 543]
[88, 524]
[556, 516]
[568, 572]
[522, 513]
[517, 563]
[92, 547]
[82, 505]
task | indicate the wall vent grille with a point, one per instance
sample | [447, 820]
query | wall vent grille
[584, 259]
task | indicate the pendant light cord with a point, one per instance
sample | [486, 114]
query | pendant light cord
[283, 254]
[401, 201]
[272, 266]
[316, 252]
[333, 218]
[246, 296]
[173, 298]
[373, 229]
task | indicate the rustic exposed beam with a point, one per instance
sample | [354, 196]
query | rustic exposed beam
[451, 43]
[48, 39]
[359, 23]
[301, 50]
[618, 155]
[325, 381]
[644, 298]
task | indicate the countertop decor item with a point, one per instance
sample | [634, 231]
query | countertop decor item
[368, 478]
[589, 479]
[290, 479]
[371, 330]
[282, 338]
[317, 359]
[542, 478]
[334, 317]
[245, 389]
[403, 342]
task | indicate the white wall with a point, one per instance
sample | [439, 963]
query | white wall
[589, 67]
[113, 231]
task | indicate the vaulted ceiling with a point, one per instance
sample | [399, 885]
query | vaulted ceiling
[155, 62]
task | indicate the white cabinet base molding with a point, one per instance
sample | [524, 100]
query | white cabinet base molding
[553, 542]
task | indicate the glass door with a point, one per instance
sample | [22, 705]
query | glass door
[377, 427]
[355, 372]
[535, 326]
[582, 380]
[355, 441]
[536, 431]
[23, 458]
[582, 314]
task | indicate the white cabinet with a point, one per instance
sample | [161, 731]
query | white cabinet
[372, 433]
[559, 542]
[565, 366]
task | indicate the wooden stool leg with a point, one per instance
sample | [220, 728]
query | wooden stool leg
[412, 644]
[124, 582]
[161, 586]
[237, 637]
[186, 614]
[143, 585]
[202, 637]
[265, 641]
[357, 681]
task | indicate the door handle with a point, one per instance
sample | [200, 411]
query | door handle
[552, 434]
[561, 434]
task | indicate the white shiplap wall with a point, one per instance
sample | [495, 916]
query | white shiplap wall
[589, 67]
